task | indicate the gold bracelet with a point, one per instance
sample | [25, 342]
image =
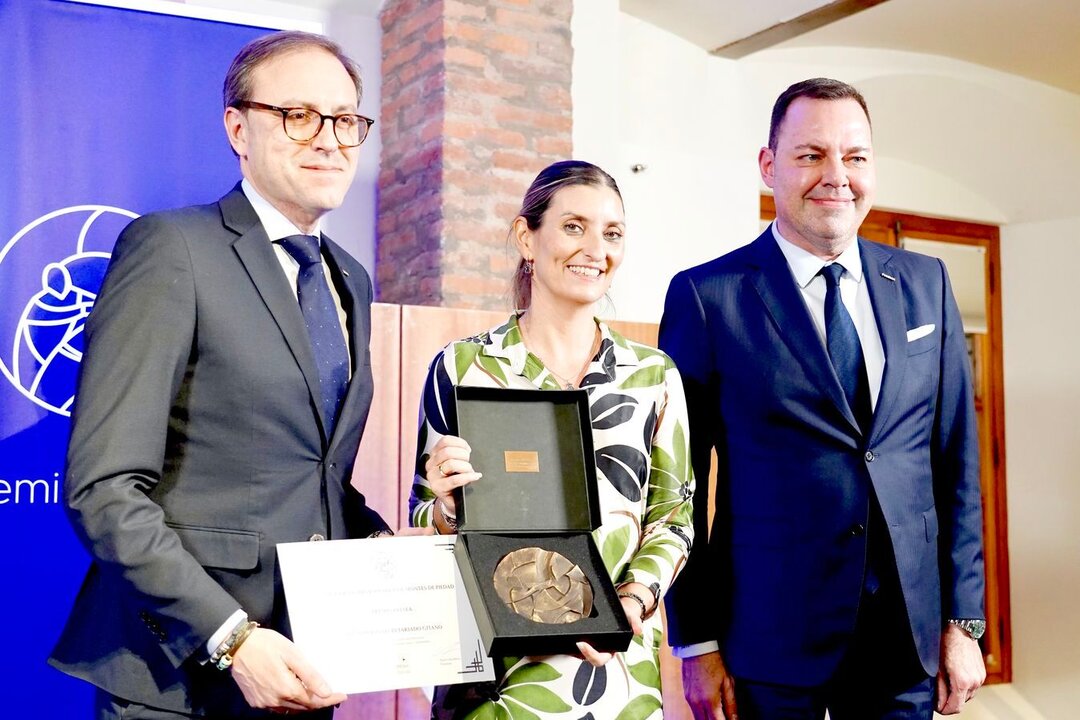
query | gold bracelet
[227, 642]
[226, 659]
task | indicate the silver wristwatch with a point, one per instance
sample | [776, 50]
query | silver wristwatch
[974, 628]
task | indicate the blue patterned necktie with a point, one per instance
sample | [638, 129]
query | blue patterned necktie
[324, 328]
[845, 351]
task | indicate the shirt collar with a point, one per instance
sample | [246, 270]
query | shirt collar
[505, 342]
[276, 225]
[805, 266]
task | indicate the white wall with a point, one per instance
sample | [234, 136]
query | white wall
[1039, 263]
[644, 96]
[979, 145]
[952, 140]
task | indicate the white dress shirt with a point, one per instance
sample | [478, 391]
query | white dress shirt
[854, 293]
[277, 226]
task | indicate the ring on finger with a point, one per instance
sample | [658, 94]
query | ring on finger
[444, 473]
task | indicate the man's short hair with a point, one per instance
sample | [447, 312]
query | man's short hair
[237, 86]
[815, 89]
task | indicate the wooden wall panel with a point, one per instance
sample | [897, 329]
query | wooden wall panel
[425, 331]
[638, 331]
[378, 468]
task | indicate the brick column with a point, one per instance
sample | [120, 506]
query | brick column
[476, 101]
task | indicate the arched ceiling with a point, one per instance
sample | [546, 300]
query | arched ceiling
[1035, 39]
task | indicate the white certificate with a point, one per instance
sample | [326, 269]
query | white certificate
[383, 613]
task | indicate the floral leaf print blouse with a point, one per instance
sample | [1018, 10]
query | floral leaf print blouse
[646, 487]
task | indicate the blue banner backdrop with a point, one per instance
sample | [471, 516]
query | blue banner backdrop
[107, 114]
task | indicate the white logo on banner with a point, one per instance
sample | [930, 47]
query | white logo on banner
[39, 360]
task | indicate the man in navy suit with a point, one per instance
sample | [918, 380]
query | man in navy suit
[830, 374]
[221, 400]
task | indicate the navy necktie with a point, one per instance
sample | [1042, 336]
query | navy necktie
[845, 351]
[324, 328]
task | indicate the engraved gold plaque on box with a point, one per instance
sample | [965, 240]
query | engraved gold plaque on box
[521, 461]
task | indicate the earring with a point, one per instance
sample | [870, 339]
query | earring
[528, 268]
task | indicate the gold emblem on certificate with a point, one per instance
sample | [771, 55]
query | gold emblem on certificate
[543, 586]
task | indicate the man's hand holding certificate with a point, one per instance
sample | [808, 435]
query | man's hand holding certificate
[382, 614]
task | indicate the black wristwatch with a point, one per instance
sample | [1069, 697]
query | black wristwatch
[974, 628]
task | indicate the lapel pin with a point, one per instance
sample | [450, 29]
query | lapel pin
[344, 272]
[888, 277]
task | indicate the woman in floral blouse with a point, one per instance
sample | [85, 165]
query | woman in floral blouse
[570, 236]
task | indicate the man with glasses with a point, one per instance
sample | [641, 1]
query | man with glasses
[225, 386]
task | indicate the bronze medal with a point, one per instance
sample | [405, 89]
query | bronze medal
[543, 586]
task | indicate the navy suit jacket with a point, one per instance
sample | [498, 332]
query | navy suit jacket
[779, 580]
[197, 445]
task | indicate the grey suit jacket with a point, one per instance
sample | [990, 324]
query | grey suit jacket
[197, 446]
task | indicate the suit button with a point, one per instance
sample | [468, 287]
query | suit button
[857, 530]
[869, 456]
[316, 537]
[333, 466]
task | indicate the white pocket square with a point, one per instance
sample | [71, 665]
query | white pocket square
[921, 331]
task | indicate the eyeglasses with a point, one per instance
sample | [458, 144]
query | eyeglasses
[304, 124]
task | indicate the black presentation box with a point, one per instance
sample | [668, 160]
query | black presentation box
[534, 448]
